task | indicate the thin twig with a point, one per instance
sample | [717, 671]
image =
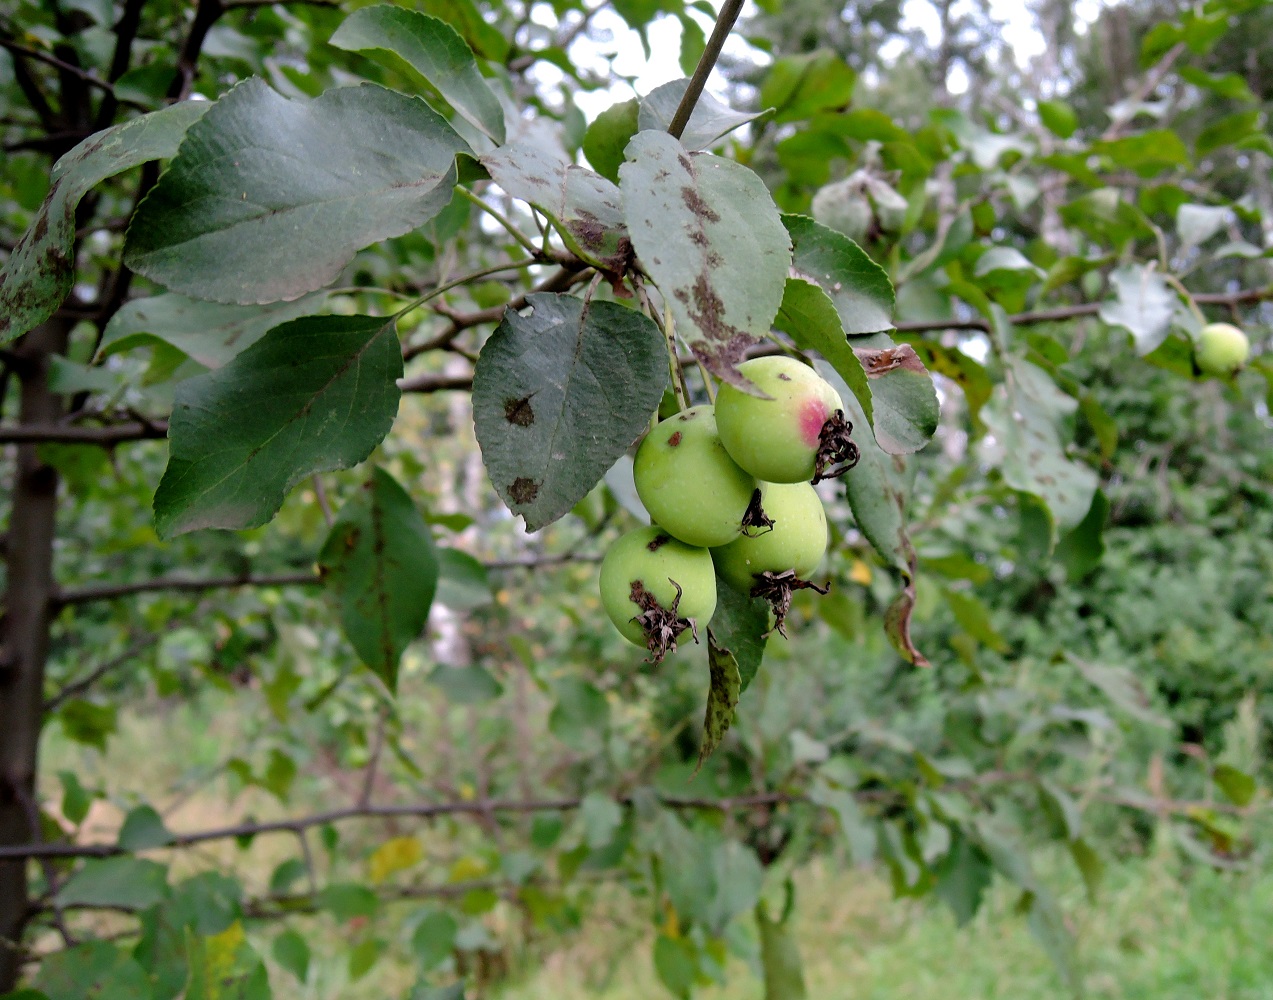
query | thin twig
[78, 687]
[320, 494]
[707, 61]
[110, 591]
[66, 67]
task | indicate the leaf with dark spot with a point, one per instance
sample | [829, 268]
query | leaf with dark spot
[314, 394]
[37, 276]
[382, 566]
[584, 206]
[595, 371]
[708, 233]
[722, 697]
[519, 411]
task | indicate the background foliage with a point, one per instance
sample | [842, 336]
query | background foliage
[430, 768]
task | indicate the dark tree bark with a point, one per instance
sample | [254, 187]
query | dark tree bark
[24, 635]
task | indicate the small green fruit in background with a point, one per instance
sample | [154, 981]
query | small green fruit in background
[776, 439]
[688, 482]
[1222, 349]
[797, 541]
[651, 562]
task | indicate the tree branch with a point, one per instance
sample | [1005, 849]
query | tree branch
[88, 680]
[65, 67]
[110, 591]
[706, 63]
[424, 810]
[107, 437]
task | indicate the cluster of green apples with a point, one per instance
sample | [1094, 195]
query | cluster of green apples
[729, 489]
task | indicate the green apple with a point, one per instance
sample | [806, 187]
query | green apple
[796, 543]
[649, 568]
[776, 439]
[688, 482]
[1221, 349]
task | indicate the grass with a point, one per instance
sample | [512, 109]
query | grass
[1154, 932]
[1160, 929]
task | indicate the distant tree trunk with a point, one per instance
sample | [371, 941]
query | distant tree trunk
[24, 642]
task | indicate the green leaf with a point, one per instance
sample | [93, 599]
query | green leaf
[132, 883]
[1230, 85]
[1122, 687]
[363, 957]
[601, 816]
[608, 137]
[1059, 118]
[433, 49]
[462, 581]
[675, 963]
[798, 87]
[559, 395]
[584, 206]
[434, 939]
[292, 952]
[314, 394]
[1198, 223]
[722, 697]
[836, 289]
[1091, 867]
[1238, 786]
[1026, 417]
[878, 499]
[1081, 549]
[91, 970]
[483, 38]
[707, 231]
[693, 43]
[471, 685]
[974, 618]
[1228, 131]
[709, 121]
[224, 967]
[424, 991]
[1147, 153]
[346, 900]
[39, 272]
[211, 333]
[270, 198]
[143, 828]
[963, 878]
[1143, 304]
[76, 800]
[581, 714]
[780, 954]
[380, 560]
[1062, 812]
[87, 722]
[739, 627]
[857, 286]
[737, 878]
[857, 830]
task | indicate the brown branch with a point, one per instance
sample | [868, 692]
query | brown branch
[107, 436]
[64, 67]
[1246, 296]
[560, 281]
[88, 680]
[1147, 86]
[429, 382]
[110, 591]
[425, 810]
[706, 62]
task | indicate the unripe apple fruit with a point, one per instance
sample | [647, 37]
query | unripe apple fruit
[776, 439]
[797, 541]
[688, 482]
[1222, 349]
[649, 568]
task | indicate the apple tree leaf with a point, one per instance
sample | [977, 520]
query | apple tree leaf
[707, 231]
[269, 198]
[435, 50]
[559, 393]
[314, 394]
[709, 121]
[381, 563]
[37, 276]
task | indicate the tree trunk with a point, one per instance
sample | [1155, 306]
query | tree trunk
[24, 642]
